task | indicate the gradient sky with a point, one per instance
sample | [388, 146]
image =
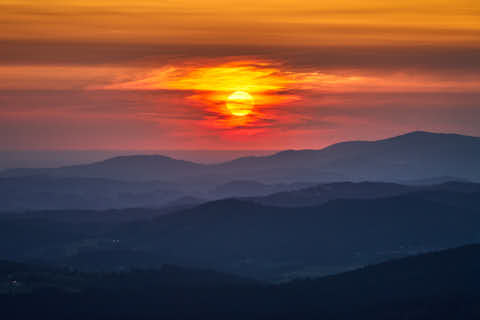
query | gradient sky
[148, 74]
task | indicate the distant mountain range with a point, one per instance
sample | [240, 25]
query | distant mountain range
[19, 194]
[153, 181]
[413, 156]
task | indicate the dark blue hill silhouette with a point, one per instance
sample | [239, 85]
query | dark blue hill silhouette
[253, 239]
[250, 188]
[416, 155]
[410, 156]
[323, 193]
[140, 167]
[440, 285]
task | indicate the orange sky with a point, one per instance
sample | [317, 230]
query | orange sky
[151, 74]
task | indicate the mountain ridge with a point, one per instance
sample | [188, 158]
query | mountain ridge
[415, 155]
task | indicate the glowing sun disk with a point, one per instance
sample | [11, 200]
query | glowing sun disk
[240, 103]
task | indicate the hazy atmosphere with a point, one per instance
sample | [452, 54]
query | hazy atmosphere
[240, 159]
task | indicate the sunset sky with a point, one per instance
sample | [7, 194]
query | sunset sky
[211, 74]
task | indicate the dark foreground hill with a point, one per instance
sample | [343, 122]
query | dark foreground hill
[441, 285]
[413, 156]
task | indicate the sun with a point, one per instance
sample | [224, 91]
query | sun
[240, 103]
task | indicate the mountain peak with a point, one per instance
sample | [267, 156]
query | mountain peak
[428, 134]
[138, 157]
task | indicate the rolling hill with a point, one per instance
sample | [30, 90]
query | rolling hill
[248, 238]
[438, 285]
[322, 193]
[413, 156]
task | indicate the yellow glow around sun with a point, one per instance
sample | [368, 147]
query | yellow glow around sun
[240, 103]
[244, 75]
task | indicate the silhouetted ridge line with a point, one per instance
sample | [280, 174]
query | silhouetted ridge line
[416, 155]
